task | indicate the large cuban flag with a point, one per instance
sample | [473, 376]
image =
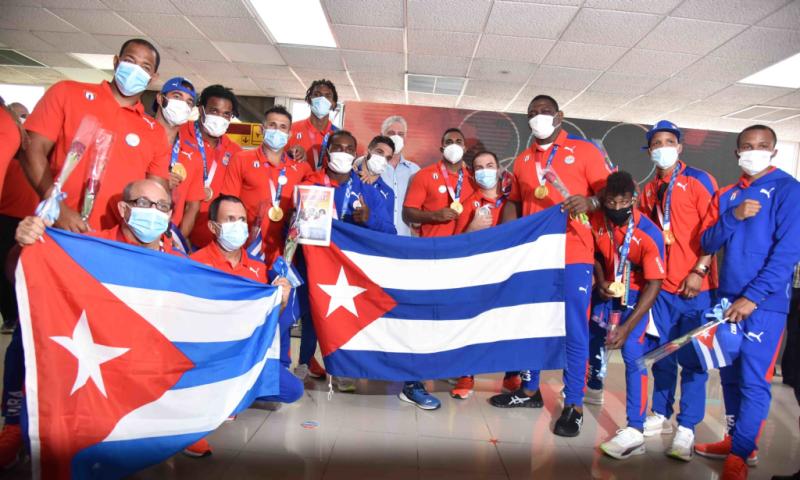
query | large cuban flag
[401, 308]
[132, 355]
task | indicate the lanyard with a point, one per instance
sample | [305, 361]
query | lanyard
[457, 194]
[176, 148]
[622, 267]
[668, 201]
[201, 147]
[347, 192]
[322, 149]
[276, 196]
[540, 171]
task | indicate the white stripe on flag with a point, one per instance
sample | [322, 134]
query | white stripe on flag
[706, 355]
[546, 252]
[184, 318]
[718, 352]
[533, 320]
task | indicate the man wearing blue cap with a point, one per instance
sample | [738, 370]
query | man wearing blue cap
[677, 199]
[173, 107]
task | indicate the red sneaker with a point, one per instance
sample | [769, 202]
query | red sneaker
[10, 446]
[199, 449]
[463, 388]
[512, 384]
[315, 370]
[721, 451]
[735, 468]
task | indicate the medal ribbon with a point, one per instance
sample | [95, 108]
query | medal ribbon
[211, 173]
[540, 170]
[457, 194]
[201, 146]
[176, 148]
[622, 266]
[347, 192]
[665, 216]
[276, 196]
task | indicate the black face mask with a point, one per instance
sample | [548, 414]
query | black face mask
[618, 217]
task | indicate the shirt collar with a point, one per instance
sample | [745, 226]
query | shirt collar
[137, 107]
[745, 182]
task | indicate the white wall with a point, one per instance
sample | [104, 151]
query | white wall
[27, 95]
[788, 158]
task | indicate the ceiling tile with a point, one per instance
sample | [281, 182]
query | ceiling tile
[573, 3]
[358, 61]
[491, 89]
[160, 25]
[258, 70]
[307, 57]
[244, 30]
[42, 75]
[382, 95]
[281, 86]
[378, 39]
[500, 70]
[250, 52]
[657, 103]
[9, 75]
[722, 69]
[650, 62]
[81, 4]
[112, 43]
[790, 100]
[547, 76]
[584, 55]
[658, 7]
[770, 44]
[52, 59]
[212, 8]
[75, 42]
[733, 11]
[25, 40]
[748, 94]
[448, 15]
[482, 103]
[437, 65]
[520, 49]
[527, 20]
[786, 17]
[89, 75]
[212, 69]
[601, 99]
[97, 21]
[29, 18]
[191, 49]
[689, 36]
[434, 42]
[146, 6]
[339, 78]
[170, 67]
[619, 83]
[680, 87]
[560, 95]
[373, 13]
[236, 83]
[386, 81]
[432, 100]
[608, 27]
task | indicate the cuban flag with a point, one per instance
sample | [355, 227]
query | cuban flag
[131, 355]
[718, 346]
[402, 308]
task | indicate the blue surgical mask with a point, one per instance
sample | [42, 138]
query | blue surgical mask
[148, 224]
[320, 106]
[275, 139]
[232, 235]
[131, 79]
[486, 178]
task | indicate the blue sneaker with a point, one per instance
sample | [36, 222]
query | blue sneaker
[414, 392]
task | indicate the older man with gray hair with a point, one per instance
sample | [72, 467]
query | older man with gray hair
[399, 171]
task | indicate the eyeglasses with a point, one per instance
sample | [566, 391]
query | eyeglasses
[144, 202]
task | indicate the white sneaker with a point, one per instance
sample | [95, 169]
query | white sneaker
[627, 442]
[301, 372]
[592, 396]
[682, 445]
[344, 384]
[657, 424]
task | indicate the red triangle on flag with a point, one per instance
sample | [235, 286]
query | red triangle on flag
[707, 337]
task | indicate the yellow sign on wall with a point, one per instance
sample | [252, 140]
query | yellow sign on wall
[246, 135]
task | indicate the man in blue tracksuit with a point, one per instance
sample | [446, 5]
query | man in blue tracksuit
[758, 224]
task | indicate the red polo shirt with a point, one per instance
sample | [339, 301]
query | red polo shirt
[138, 148]
[221, 157]
[248, 177]
[471, 206]
[247, 267]
[115, 233]
[303, 133]
[646, 248]
[9, 142]
[428, 192]
[191, 188]
[582, 168]
[690, 202]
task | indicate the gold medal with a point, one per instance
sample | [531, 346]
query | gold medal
[669, 237]
[617, 288]
[209, 194]
[540, 192]
[456, 205]
[275, 213]
[179, 170]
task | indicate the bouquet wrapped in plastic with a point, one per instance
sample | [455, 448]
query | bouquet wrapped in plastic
[94, 177]
[552, 178]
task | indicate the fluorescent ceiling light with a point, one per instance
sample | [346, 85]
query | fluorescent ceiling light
[295, 22]
[785, 73]
[95, 60]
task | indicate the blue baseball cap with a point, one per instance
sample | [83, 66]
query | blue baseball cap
[176, 83]
[662, 126]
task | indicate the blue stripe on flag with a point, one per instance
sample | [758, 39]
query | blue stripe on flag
[354, 238]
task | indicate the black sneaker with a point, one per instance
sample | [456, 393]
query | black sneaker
[569, 423]
[796, 476]
[517, 399]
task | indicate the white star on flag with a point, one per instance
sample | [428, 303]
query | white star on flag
[706, 334]
[90, 355]
[342, 294]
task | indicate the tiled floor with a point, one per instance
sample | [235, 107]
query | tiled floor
[371, 435]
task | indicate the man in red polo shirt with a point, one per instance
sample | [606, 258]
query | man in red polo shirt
[583, 170]
[137, 151]
[313, 133]
[436, 196]
[205, 140]
[264, 178]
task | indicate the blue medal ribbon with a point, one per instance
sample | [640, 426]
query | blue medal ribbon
[176, 149]
[668, 200]
[623, 267]
[201, 147]
[346, 203]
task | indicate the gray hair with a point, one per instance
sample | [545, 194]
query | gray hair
[391, 120]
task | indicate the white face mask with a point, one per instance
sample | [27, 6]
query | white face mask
[341, 162]
[542, 126]
[453, 153]
[215, 125]
[376, 163]
[754, 161]
[398, 144]
[176, 112]
[664, 157]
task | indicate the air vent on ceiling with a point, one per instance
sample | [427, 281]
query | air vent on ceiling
[765, 113]
[435, 84]
[12, 58]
